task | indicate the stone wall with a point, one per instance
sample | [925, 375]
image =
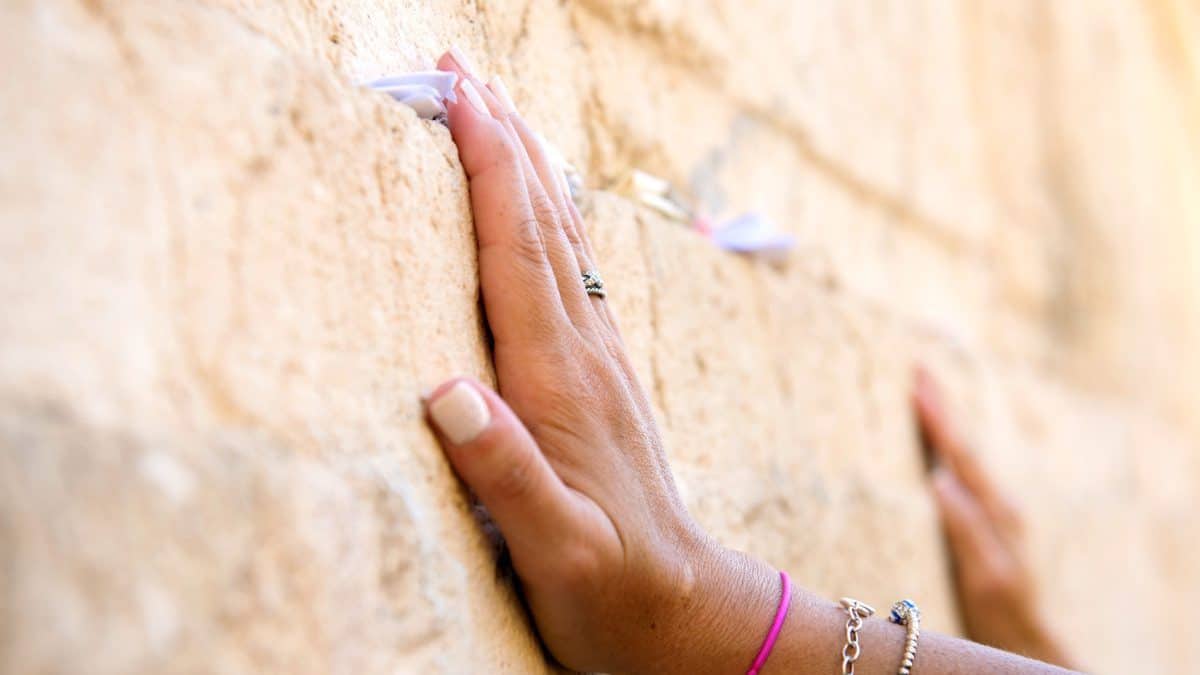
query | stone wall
[229, 271]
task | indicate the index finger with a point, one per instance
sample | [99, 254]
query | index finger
[519, 288]
[950, 449]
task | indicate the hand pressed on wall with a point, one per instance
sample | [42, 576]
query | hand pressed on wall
[997, 592]
[569, 461]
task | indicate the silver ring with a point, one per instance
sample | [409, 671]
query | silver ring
[593, 284]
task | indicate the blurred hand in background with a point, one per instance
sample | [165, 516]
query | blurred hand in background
[997, 593]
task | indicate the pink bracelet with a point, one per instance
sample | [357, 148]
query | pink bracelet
[768, 644]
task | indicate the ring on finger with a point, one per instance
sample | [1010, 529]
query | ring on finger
[593, 284]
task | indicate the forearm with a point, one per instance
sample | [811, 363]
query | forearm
[735, 599]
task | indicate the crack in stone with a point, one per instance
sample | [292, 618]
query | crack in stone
[658, 381]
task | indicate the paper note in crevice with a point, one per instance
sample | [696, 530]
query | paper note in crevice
[425, 92]
[753, 234]
[654, 192]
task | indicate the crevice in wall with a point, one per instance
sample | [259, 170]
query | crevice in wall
[112, 24]
[658, 380]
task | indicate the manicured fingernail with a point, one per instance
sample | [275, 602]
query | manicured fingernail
[497, 86]
[460, 413]
[473, 96]
[462, 60]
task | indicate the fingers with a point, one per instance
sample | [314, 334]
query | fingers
[539, 198]
[497, 458]
[578, 236]
[942, 436]
[548, 173]
[557, 195]
[990, 573]
[968, 531]
[554, 181]
[950, 451]
[540, 162]
[519, 289]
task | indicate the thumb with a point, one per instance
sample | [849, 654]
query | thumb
[494, 454]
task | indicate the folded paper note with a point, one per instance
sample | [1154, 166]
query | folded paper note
[425, 92]
[654, 192]
[753, 234]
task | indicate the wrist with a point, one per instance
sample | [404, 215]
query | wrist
[722, 610]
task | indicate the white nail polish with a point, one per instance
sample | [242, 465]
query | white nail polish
[497, 86]
[473, 96]
[463, 62]
[460, 413]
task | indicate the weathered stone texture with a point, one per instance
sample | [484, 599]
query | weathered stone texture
[229, 272]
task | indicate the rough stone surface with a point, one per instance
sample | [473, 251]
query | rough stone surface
[229, 272]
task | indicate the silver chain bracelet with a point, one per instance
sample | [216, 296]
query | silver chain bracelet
[857, 611]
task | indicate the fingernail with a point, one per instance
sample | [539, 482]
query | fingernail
[462, 60]
[460, 413]
[497, 86]
[473, 96]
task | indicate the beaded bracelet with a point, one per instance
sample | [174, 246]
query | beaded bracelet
[906, 613]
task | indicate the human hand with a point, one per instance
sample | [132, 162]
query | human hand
[996, 587]
[567, 458]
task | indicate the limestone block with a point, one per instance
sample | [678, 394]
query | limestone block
[1128, 184]
[140, 551]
